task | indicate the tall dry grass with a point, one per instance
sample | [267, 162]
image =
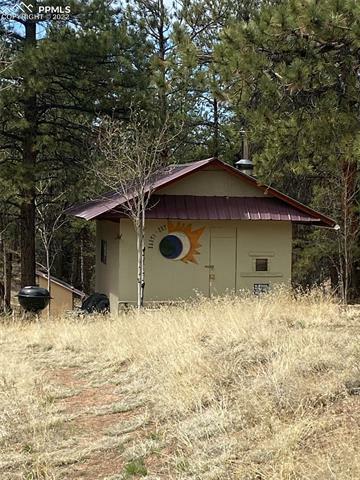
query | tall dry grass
[239, 387]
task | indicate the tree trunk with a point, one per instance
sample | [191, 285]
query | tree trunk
[48, 272]
[88, 259]
[140, 249]
[341, 267]
[142, 290]
[27, 244]
[162, 59]
[351, 224]
[2, 282]
[82, 261]
[216, 128]
[139, 275]
[27, 209]
[7, 283]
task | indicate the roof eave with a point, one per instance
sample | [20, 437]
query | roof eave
[324, 221]
[79, 211]
[319, 219]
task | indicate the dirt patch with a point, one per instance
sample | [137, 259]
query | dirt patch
[97, 466]
[98, 424]
[67, 377]
[90, 397]
[94, 413]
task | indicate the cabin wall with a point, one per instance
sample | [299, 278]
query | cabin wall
[226, 258]
[62, 299]
[212, 183]
[107, 274]
[271, 240]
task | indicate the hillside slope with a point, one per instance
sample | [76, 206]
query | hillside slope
[246, 388]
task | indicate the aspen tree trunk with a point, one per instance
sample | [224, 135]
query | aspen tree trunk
[341, 268]
[142, 291]
[139, 275]
[140, 248]
[48, 272]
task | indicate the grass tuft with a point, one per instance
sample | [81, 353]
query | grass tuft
[135, 467]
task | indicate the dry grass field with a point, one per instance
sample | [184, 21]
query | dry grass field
[246, 388]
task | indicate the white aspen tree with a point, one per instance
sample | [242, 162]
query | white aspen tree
[50, 219]
[131, 161]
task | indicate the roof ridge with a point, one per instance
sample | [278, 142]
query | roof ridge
[95, 208]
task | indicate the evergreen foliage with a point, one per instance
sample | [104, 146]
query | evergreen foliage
[285, 71]
[292, 74]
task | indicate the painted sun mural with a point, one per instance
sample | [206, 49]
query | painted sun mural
[181, 242]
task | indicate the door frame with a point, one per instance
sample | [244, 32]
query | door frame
[211, 265]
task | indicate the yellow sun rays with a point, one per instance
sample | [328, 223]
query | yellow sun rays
[193, 236]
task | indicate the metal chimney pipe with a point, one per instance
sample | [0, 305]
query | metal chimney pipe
[245, 165]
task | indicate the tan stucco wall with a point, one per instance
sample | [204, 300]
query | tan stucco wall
[231, 246]
[62, 299]
[228, 247]
[107, 275]
[272, 240]
[211, 182]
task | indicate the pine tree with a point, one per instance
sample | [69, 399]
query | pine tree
[292, 73]
[64, 74]
[215, 128]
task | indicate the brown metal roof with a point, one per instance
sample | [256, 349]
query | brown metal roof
[94, 208]
[190, 207]
[109, 202]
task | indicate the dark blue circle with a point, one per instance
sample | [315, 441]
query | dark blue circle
[171, 246]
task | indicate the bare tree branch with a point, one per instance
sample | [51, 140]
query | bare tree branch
[133, 155]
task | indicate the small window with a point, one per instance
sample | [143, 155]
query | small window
[260, 288]
[103, 252]
[261, 265]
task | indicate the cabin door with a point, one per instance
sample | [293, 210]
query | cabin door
[222, 267]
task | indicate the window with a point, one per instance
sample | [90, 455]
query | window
[171, 247]
[260, 288]
[103, 251]
[261, 265]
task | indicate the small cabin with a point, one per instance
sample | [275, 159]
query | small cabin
[211, 229]
[64, 297]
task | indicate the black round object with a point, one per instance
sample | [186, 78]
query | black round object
[34, 299]
[171, 246]
[96, 303]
